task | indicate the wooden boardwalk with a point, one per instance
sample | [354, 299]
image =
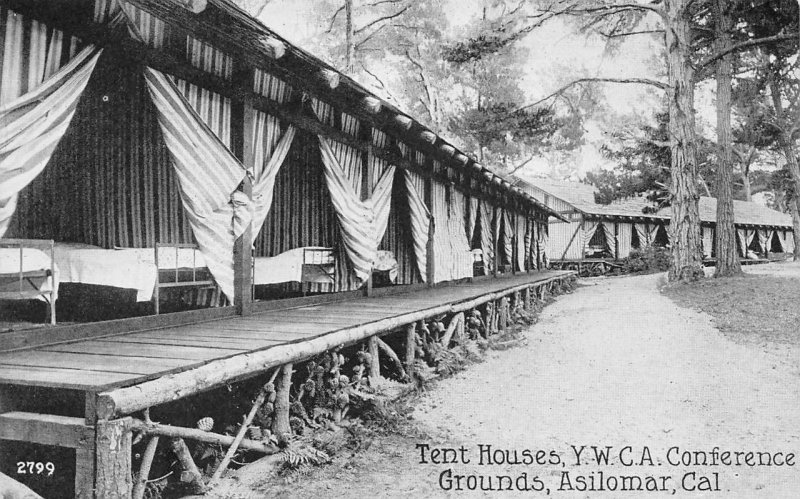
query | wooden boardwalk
[124, 359]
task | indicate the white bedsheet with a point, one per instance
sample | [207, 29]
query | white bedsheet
[288, 266]
[124, 268]
[32, 260]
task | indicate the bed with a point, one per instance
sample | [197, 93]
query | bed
[146, 270]
[28, 271]
[309, 264]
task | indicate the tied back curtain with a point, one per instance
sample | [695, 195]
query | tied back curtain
[643, 234]
[362, 223]
[764, 235]
[487, 235]
[611, 241]
[208, 175]
[543, 241]
[519, 241]
[589, 228]
[32, 125]
[708, 241]
[742, 237]
[420, 219]
[270, 150]
[506, 238]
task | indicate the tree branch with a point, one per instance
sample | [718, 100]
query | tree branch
[381, 19]
[631, 33]
[519, 166]
[640, 81]
[746, 44]
[333, 19]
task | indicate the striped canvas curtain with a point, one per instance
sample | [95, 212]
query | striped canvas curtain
[624, 239]
[487, 235]
[611, 242]
[270, 150]
[519, 240]
[654, 228]
[643, 234]
[420, 220]
[461, 256]
[472, 217]
[32, 124]
[382, 182]
[742, 237]
[529, 237]
[30, 54]
[208, 175]
[543, 242]
[589, 228]
[506, 238]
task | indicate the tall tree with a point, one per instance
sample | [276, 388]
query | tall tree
[727, 256]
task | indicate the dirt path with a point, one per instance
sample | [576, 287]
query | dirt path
[613, 364]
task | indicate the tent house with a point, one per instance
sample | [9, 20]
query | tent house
[150, 139]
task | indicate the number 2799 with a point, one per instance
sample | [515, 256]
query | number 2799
[35, 468]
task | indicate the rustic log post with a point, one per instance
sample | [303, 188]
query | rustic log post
[280, 423]
[502, 314]
[113, 458]
[85, 471]
[489, 321]
[190, 474]
[260, 399]
[375, 365]
[411, 347]
[144, 469]
[451, 328]
[392, 356]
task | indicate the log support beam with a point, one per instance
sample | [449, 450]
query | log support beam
[280, 424]
[113, 459]
[411, 348]
[375, 365]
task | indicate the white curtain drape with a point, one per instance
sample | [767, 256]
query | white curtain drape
[472, 217]
[453, 259]
[643, 234]
[520, 232]
[420, 220]
[487, 235]
[382, 182]
[611, 242]
[543, 241]
[589, 228]
[742, 237]
[624, 239]
[763, 237]
[788, 241]
[32, 124]
[653, 234]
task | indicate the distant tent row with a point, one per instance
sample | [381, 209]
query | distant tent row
[610, 232]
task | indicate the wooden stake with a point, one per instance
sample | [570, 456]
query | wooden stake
[451, 328]
[375, 365]
[262, 397]
[392, 356]
[190, 474]
[144, 470]
[280, 423]
[411, 347]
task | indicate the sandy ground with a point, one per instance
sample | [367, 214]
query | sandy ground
[613, 364]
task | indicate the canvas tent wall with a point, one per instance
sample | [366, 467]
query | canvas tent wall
[110, 180]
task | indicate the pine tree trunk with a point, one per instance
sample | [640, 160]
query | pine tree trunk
[687, 257]
[791, 161]
[727, 258]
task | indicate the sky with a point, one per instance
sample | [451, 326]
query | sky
[556, 55]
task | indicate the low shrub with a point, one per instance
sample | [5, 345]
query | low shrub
[648, 260]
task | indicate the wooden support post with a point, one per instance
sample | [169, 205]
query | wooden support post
[85, 471]
[616, 241]
[243, 247]
[144, 471]
[451, 328]
[375, 365]
[392, 356]
[280, 424]
[503, 314]
[430, 252]
[367, 182]
[190, 474]
[113, 459]
[411, 348]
